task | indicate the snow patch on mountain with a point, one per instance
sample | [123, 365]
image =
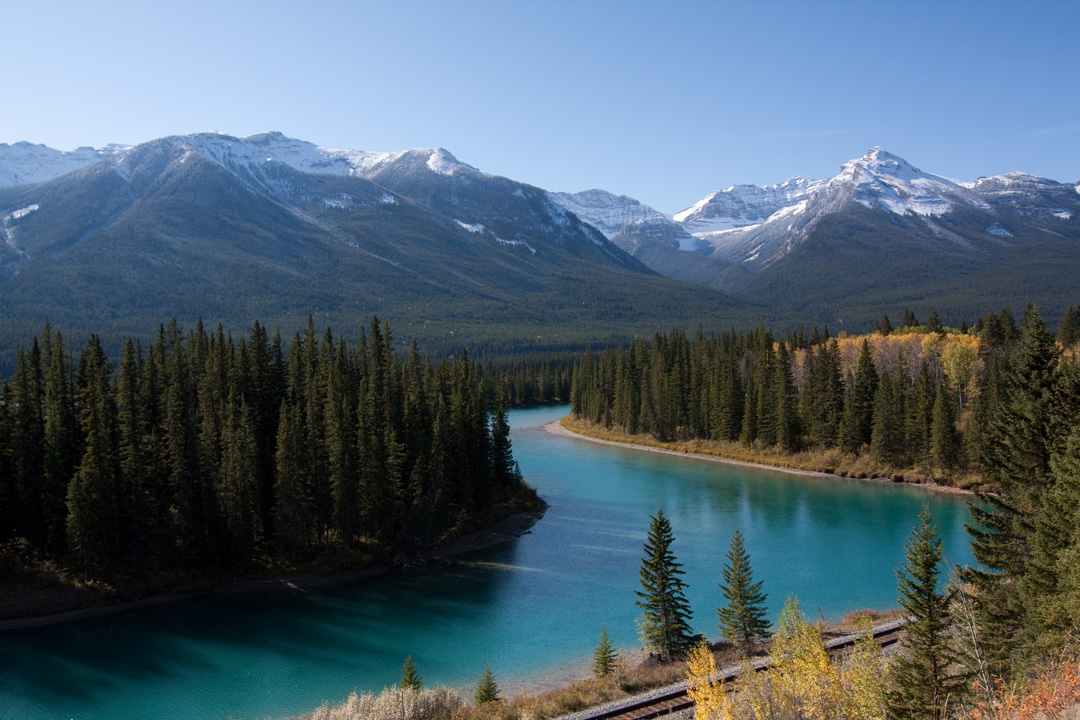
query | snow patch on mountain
[473, 228]
[23, 212]
[607, 212]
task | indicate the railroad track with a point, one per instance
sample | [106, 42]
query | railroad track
[675, 698]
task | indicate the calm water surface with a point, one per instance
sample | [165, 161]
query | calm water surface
[525, 607]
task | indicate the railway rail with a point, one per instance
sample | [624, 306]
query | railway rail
[674, 698]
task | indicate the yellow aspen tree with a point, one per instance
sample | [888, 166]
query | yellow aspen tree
[805, 680]
[711, 699]
[756, 690]
[862, 678]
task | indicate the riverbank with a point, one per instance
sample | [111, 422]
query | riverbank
[793, 464]
[85, 603]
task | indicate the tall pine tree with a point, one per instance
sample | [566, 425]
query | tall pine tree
[664, 625]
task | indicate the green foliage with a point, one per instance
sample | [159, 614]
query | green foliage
[924, 674]
[410, 678]
[1023, 437]
[664, 625]
[208, 452]
[743, 619]
[605, 657]
[487, 690]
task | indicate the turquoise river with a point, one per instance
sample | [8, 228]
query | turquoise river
[531, 608]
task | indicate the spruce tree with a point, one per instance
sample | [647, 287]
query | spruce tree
[487, 690]
[605, 657]
[943, 445]
[664, 625]
[93, 520]
[743, 618]
[924, 673]
[410, 678]
[1017, 462]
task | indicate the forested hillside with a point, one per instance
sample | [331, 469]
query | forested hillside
[205, 451]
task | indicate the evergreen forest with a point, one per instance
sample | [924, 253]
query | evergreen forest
[915, 402]
[204, 451]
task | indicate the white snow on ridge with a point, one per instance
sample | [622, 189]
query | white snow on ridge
[23, 212]
[24, 162]
[473, 228]
[883, 179]
[605, 211]
[442, 162]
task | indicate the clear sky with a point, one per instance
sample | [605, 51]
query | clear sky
[662, 101]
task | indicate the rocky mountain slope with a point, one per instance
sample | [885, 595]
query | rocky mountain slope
[878, 235]
[271, 228]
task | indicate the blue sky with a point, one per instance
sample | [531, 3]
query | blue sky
[662, 101]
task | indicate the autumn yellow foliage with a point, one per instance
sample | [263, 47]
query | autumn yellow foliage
[711, 699]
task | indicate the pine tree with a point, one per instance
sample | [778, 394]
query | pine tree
[487, 690]
[410, 678]
[605, 657]
[743, 618]
[856, 428]
[93, 521]
[943, 446]
[664, 625]
[1018, 452]
[923, 674]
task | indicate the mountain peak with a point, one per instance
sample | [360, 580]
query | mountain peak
[881, 163]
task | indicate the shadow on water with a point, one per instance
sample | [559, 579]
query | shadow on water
[224, 636]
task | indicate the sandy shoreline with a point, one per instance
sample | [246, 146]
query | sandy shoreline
[510, 527]
[557, 428]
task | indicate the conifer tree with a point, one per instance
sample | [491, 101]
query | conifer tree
[885, 434]
[605, 657]
[1017, 461]
[93, 521]
[743, 618]
[487, 690]
[410, 678]
[943, 446]
[664, 626]
[924, 673]
[857, 425]
[61, 447]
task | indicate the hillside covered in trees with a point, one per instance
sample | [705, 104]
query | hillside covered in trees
[204, 451]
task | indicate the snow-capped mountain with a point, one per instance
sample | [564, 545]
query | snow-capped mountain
[606, 211]
[757, 226]
[271, 227]
[24, 162]
[741, 206]
[881, 231]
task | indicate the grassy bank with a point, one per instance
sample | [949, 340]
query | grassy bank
[830, 461]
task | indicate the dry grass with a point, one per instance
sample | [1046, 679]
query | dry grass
[831, 461]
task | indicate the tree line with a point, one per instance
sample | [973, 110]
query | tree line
[919, 399]
[205, 449]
